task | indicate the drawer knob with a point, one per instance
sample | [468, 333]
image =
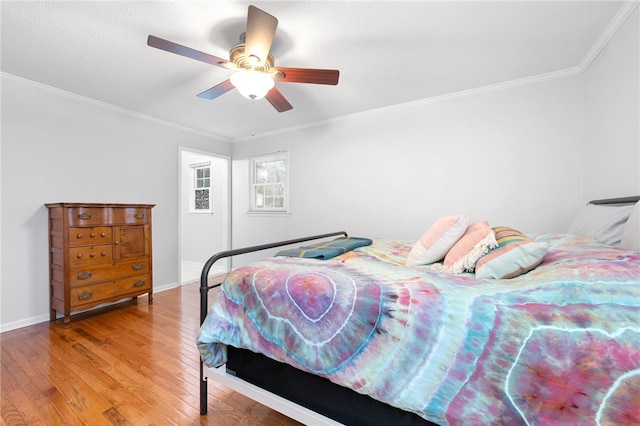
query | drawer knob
[84, 275]
[102, 235]
[85, 295]
[79, 236]
[139, 215]
[92, 235]
[92, 254]
[138, 266]
[139, 283]
[79, 256]
[84, 216]
[104, 253]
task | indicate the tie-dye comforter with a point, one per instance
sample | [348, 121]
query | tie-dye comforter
[559, 345]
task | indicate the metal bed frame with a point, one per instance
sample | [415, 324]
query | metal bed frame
[279, 403]
[617, 201]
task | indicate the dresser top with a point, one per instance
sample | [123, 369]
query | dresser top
[64, 204]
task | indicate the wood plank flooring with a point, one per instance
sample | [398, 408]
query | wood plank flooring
[130, 364]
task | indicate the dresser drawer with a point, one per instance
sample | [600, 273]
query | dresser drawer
[89, 255]
[93, 294]
[89, 274]
[87, 216]
[90, 236]
[131, 215]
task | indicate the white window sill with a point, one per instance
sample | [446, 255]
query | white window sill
[267, 213]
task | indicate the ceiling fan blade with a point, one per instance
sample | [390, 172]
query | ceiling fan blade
[261, 27]
[277, 99]
[216, 91]
[307, 75]
[179, 49]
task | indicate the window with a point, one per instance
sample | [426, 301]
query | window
[269, 183]
[200, 201]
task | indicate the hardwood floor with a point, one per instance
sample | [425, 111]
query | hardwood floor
[130, 365]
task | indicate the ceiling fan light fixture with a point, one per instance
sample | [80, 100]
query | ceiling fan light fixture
[252, 84]
[253, 64]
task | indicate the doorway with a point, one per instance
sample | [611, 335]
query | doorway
[205, 206]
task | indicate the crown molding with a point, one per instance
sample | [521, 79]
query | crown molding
[427, 101]
[618, 20]
[105, 105]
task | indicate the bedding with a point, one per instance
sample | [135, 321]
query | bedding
[559, 344]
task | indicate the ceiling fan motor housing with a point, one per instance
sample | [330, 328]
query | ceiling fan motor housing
[240, 60]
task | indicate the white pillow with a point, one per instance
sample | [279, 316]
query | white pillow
[631, 232]
[602, 223]
[438, 240]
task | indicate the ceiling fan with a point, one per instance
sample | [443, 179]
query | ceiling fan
[255, 72]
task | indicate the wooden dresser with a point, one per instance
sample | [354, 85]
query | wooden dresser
[98, 253]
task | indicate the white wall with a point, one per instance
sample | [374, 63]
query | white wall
[511, 156]
[527, 157]
[56, 147]
[611, 116]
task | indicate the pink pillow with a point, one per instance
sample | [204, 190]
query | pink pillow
[439, 238]
[476, 241]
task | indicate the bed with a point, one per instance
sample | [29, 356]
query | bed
[368, 337]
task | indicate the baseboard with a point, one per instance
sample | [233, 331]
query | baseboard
[190, 271]
[45, 317]
[24, 323]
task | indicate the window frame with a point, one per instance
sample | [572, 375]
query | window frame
[193, 188]
[253, 184]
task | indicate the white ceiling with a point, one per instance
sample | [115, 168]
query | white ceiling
[388, 52]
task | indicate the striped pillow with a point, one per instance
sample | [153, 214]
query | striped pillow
[515, 254]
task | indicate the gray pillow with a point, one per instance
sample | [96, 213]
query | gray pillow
[602, 223]
[631, 232]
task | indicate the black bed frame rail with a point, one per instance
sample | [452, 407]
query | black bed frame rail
[620, 200]
[205, 287]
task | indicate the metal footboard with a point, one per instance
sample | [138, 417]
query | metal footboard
[205, 287]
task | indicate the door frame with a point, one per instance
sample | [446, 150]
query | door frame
[225, 209]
